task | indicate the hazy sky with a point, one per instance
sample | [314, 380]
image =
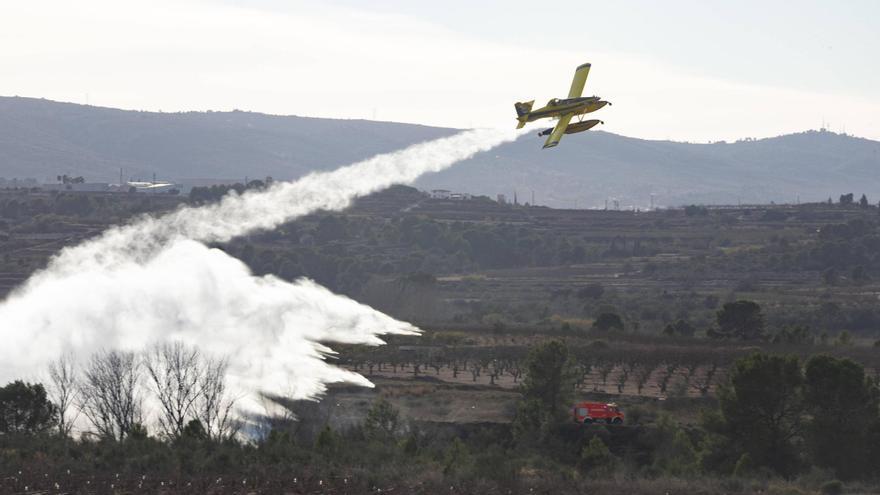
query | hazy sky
[684, 69]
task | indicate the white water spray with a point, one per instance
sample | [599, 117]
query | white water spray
[153, 281]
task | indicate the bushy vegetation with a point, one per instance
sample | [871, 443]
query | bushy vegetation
[777, 420]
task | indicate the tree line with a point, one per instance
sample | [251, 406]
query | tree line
[110, 393]
[776, 415]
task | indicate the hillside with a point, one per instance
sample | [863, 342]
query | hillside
[590, 167]
[41, 139]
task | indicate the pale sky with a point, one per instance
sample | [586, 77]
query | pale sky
[694, 70]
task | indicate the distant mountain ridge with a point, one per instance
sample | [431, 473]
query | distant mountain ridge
[588, 168]
[43, 139]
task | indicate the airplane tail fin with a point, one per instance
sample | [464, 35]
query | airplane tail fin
[522, 111]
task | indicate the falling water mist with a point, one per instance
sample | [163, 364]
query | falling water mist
[155, 281]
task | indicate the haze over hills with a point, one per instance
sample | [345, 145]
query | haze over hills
[593, 166]
[42, 139]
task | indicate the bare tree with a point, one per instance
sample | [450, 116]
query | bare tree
[704, 384]
[605, 369]
[669, 369]
[516, 372]
[110, 393]
[475, 371]
[583, 371]
[63, 391]
[190, 387]
[625, 371]
[175, 371]
[643, 374]
[214, 407]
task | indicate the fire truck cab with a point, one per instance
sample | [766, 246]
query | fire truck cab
[590, 412]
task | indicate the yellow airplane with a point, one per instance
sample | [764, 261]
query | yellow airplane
[564, 109]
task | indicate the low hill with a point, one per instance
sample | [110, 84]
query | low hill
[588, 168]
[43, 139]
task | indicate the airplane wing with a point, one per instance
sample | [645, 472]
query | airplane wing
[558, 131]
[580, 79]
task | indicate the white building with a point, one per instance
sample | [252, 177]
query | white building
[440, 194]
[150, 187]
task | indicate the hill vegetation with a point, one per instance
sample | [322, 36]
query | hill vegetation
[45, 139]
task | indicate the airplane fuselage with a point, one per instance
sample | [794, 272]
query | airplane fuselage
[574, 106]
[558, 107]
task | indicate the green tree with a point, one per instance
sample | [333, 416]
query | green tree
[863, 201]
[597, 459]
[680, 328]
[796, 335]
[844, 338]
[550, 379]
[457, 458]
[529, 419]
[843, 406]
[382, 421]
[761, 410]
[674, 453]
[608, 321]
[741, 319]
[832, 487]
[744, 466]
[25, 408]
[327, 441]
[547, 389]
[194, 430]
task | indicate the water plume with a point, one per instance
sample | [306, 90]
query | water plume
[154, 280]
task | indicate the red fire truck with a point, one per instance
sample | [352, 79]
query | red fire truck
[589, 412]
